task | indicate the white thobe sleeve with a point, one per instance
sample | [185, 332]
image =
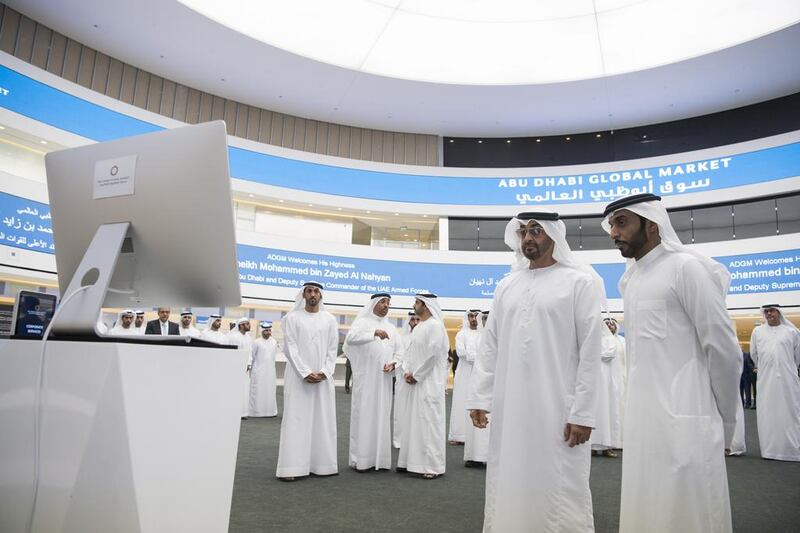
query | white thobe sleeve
[754, 347]
[361, 332]
[397, 349]
[461, 344]
[482, 379]
[293, 349]
[705, 305]
[796, 346]
[587, 305]
[609, 351]
[472, 350]
[329, 365]
[432, 354]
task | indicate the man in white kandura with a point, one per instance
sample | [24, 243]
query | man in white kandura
[537, 374]
[466, 347]
[684, 365]
[606, 433]
[620, 369]
[308, 429]
[124, 324]
[476, 440]
[373, 347]
[262, 374]
[240, 336]
[186, 328]
[213, 331]
[775, 349]
[422, 445]
[400, 385]
[138, 322]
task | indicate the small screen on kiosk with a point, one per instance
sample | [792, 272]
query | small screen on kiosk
[32, 313]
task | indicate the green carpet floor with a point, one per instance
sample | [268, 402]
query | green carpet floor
[765, 495]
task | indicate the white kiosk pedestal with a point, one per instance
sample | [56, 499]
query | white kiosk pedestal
[135, 437]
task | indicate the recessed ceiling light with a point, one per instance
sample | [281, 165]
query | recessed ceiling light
[452, 141]
[598, 135]
[2, 127]
[508, 141]
[251, 195]
[42, 142]
[569, 138]
[339, 208]
[426, 216]
[397, 214]
[310, 205]
[480, 141]
[368, 212]
[405, 234]
[281, 201]
[538, 140]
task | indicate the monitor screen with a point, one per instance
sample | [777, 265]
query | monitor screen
[32, 313]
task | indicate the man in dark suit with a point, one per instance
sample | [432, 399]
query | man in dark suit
[746, 382]
[162, 325]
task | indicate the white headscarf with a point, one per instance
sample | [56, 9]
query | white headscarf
[367, 311]
[555, 229]
[786, 322]
[407, 328]
[300, 303]
[465, 319]
[211, 320]
[431, 302]
[655, 211]
[433, 306]
[562, 253]
[118, 323]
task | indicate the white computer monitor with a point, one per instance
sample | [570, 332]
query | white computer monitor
[146, 221]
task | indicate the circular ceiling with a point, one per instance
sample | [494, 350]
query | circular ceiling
[501, 42]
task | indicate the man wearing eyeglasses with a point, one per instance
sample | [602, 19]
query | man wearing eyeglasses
[537, 374]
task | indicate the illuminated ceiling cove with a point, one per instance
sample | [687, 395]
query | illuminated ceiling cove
[463, 68]
[501, 42]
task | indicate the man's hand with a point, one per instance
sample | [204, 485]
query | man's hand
[381, 334]
[575, 434]
[388, 367]
[478, 417]
[315, 377]
[409, 378]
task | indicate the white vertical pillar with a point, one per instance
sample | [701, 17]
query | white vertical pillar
[444, 233]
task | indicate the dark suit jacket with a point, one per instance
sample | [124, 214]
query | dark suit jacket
[154, 328]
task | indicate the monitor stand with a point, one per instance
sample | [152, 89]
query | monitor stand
[78, 314]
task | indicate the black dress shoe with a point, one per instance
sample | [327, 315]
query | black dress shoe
[400, 470]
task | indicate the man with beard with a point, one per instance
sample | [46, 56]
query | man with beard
[213, 330]
[308, 429]
[684, 364]
[422, 446]
[606, 434]
[186, 327]
[467, 340]
[124, 325]
[373, 347]
[775, 349]
[537, 374]
[400, 387]
[262, 374]
[241, 337]
[138, 322]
